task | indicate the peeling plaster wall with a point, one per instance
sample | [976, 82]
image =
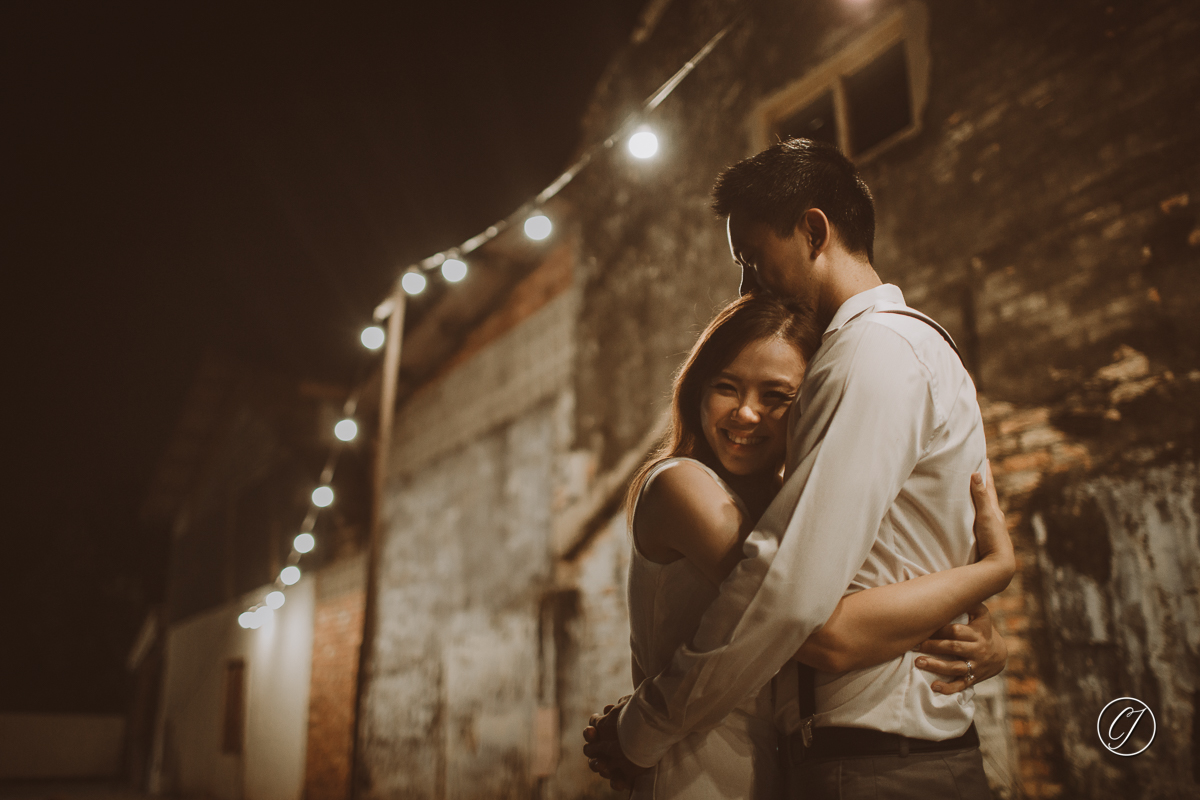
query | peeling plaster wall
[596, 669]
[453, 675]
[1131, 423]
[1120, 560]
[477, 630]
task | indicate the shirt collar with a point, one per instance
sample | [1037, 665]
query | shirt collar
[886, 294]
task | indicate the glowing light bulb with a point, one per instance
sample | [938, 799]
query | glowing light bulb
[304, 543]
[264, 615]
[290, 575]
[346, 430]
[643, 144]
[322, 496]
[413, 282]
[246, 620]
[454, 270]
[538, 227]
[275, 599]
[372, 337]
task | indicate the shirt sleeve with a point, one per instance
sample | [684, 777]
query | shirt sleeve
[866, 416]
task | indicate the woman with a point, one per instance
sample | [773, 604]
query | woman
[692, 505]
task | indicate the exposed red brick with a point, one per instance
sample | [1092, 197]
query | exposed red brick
[1037, 460]
[337, 636]
[1008, 603]
[1024, 420]
[1022, 687]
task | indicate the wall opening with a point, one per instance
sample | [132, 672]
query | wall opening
[865, 98]
[817, 120]
[878, 100]
[233, 707]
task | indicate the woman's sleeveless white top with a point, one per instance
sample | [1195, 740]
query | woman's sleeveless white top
[738, 758]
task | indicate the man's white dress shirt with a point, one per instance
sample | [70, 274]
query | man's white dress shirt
[883, 440]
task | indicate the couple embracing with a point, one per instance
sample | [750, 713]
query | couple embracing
[820, 515]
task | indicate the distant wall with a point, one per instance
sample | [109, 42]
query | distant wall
[55, 746]
[278, 657]
[454, 672]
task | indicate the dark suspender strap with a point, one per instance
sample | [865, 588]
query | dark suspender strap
[808, 691]
[928, 321]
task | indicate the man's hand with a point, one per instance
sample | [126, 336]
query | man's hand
[604, 750]
[976, 653]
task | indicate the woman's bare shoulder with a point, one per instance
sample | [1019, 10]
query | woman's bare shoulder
[683, 483]
[683, 500]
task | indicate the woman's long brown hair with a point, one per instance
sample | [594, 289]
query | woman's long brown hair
[747, 319]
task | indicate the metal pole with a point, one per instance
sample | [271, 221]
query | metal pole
[383, 448]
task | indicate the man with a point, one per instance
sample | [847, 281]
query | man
[885, 435]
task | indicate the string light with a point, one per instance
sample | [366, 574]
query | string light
[413, 282]
[641, 141]
[373, 337]
[643, 144]
[346, 430]
[538, 227]
[454, 270]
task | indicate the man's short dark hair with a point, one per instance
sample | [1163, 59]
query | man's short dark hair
[788, 178]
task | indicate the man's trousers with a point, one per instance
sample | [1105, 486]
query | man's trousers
[948, 774]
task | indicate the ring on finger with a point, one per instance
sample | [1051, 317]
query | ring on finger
[970, 673]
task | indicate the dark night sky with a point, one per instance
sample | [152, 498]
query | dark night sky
[183, 176]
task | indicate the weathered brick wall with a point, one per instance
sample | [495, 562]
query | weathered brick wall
[336, 638]
[1023, 447]
[1105, 602]
[1045, 218]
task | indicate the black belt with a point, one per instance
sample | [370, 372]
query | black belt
[858, 742]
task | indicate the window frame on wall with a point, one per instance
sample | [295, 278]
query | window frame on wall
[907, 27]
[233, 707]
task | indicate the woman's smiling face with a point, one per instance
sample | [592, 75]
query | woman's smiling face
[743, 410]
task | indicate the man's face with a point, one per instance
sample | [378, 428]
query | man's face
[782, 266]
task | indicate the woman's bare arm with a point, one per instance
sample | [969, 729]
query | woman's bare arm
[881, 623]
[972, 653]
[684, 514]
